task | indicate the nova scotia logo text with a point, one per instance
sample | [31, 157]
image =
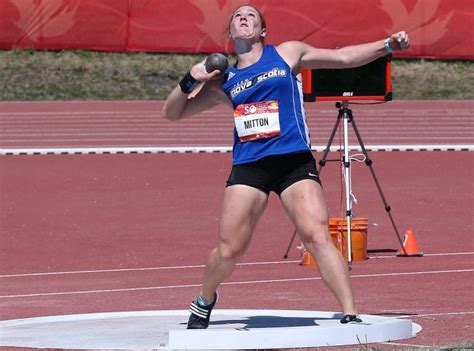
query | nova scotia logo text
[250, 82]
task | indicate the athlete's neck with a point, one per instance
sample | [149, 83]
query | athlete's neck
[248, 54]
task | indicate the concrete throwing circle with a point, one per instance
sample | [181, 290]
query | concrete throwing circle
[229, 330]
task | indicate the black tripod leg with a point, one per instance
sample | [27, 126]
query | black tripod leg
[322, 162]
[368, 162]
[289, 245]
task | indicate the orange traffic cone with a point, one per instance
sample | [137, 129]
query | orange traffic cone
[307, 259]
[410, 247]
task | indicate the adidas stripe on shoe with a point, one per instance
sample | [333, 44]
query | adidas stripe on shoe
[200, 315]
[350, 318]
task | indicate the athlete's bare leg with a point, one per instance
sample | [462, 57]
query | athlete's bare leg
[305, 203]
[242, 208]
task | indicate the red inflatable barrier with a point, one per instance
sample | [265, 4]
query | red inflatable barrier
[439, 29]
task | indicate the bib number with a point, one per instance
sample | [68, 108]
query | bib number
[259, 120]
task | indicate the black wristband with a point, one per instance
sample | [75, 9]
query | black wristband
[188, 83]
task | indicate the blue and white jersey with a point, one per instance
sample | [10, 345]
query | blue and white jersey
[268, 109]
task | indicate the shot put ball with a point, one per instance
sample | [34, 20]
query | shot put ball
[216, 61]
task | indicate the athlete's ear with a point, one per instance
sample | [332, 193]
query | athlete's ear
[263, 33]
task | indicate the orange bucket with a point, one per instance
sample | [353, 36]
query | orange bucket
[359, 230]
[308, 260]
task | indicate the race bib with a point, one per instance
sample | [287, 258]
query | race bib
[259, 120]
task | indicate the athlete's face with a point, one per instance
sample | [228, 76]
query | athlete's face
[246, 24]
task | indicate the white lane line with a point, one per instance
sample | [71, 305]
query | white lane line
[114, 150]
[248, 282]
[425, 255]
[396, 114]
[437, 314]
[212, 149]
[263, 263]
[81, 113]
[197, 130]
[138, 269]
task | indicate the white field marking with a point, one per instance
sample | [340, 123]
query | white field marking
[139, 131]
[109, 133]
[115, 150]
[137, 119]
[118, 270]
[397, 114]
[221, 149]
[97, 129]
[191, 137]
[72, 113]
[230, 283]
[157, 116]
[70, 133]
[438, 314]
[424, 255]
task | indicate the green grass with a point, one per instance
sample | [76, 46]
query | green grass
[88, 75]
[433, 80]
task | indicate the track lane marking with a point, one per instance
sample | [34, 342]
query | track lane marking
[424, 255]
[437, 314]
[118, 270]
[138, 269]
[247, 282]
[222, 149]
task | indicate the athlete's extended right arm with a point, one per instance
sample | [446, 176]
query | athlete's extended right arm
[178, 104]
[175, 104]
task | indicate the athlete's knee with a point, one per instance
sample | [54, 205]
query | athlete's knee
[316, 236]
[231, 252]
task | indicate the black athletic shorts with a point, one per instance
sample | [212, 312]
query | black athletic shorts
[275, 173]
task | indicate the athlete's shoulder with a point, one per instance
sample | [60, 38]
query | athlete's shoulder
[291, 45]
[291, 52]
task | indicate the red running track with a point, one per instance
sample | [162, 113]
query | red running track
[97, 233]
[397, 124]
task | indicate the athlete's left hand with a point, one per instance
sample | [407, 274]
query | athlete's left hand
[399, 41]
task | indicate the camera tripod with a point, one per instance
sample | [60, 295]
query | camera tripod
[346, 115]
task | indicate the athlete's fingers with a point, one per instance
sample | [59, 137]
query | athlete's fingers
[400, 41]
[198, 71]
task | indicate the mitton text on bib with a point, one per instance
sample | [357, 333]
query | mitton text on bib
[258, 120]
